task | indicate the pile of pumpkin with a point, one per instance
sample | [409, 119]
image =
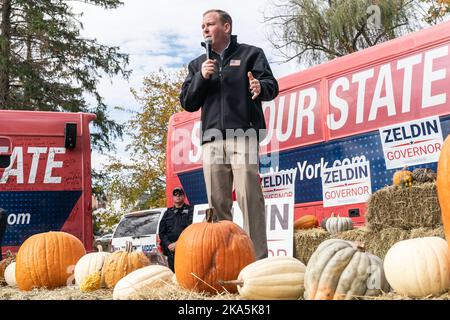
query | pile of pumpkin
[420, 267]
[406, 178]
[57, 259]
[340, 269]
[219, 257]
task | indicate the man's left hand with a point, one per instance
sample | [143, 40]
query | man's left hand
[255, 86]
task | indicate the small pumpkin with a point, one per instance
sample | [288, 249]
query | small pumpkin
[211, 251]
[338, 224]
[419, 267]
[342, 270]
[443, 186]
[47, 260]
[120, 263]
[10, 275]
[403, 178]
[423, 175]
[92, 282]
[306, 222]
[273, 278]
[134, 283]
[90, 263]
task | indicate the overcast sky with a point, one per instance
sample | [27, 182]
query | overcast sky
[167, 34]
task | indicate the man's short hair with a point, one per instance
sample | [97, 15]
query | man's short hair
[223, 15]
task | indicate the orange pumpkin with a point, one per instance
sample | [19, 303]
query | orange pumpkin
[306, 222]
[208, 252]
[120, 263]
[403, 177]
[47, 260]
[443, 186]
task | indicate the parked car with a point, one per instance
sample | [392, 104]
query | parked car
[141, 229]
[104, 241]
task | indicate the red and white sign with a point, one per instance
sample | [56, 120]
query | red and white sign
[280, 184]
[279, 197]
[346, 184]
[403, 89]
[411, 143]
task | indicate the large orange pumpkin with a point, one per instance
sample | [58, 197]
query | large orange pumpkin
[208, 252]
[443, 186]
[306, 222]
[47, 260]
[120, 263]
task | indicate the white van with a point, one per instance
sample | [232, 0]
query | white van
[141, 229]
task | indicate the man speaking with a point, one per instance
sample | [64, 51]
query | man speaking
[228, 83]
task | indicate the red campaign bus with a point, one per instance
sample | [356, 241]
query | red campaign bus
[45, 175]
[331, 114]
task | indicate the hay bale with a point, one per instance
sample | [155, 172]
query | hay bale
[375, 242]
[175, 292]
[380, 242]
[404, 208]
[63, 293]
[395, 296]
[355, 235]
[306, 242]
[427, 232]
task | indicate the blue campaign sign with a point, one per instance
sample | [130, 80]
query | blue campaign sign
[31, 212]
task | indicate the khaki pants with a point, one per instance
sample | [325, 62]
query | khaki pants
[236, 160]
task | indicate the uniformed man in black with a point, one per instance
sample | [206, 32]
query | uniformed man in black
[174, 221]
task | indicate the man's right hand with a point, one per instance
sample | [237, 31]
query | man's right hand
[171, 246]
[208, 68]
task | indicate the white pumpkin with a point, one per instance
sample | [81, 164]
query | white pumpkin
[153, 276]
[419, 267]
[271, 279]
[88, 264]
[10, 274]
[338, 224]
[342, 270]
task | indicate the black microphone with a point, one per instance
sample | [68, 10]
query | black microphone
[208, 46]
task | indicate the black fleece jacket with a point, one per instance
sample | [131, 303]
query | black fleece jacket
[225, 98]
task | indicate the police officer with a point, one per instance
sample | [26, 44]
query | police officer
[174, 221]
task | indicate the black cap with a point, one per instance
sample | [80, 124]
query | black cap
[177, 191]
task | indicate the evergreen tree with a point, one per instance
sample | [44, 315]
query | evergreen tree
[45, 64]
